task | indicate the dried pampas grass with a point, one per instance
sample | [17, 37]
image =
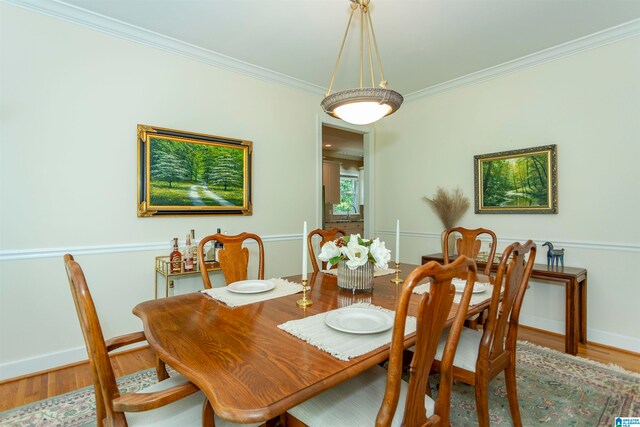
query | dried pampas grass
[448, 206]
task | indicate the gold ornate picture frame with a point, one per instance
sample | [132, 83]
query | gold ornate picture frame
[523, 181]
[186, 173]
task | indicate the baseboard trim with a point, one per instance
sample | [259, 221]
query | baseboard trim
[589, 343]
[51, 362]
[595, 336]
[604, 246]
[32, 253]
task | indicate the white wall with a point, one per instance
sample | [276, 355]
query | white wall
[589, 105]
[70, 101]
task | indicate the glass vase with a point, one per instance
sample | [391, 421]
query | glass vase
[358, 280]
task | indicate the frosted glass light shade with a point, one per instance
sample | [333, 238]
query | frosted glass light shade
[362, 113]
[362, 106]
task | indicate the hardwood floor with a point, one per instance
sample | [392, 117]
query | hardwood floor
[31, 388]
[598, 352]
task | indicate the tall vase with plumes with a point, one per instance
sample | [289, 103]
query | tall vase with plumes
[449, 207]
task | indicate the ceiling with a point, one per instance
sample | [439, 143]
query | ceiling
[422, 42]
[342, 144]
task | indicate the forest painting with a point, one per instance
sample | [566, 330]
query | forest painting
[519, 181]
[193, 173]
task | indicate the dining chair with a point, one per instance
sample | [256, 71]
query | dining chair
[468, 244]
[233, 257]
[381, 397]
[171, 402]
[481, 355]
[326, 236]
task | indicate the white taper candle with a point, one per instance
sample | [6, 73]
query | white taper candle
[398, 241]
[304, 251]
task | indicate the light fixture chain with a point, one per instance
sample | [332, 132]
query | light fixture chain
[373, 81]
[383, 82]
[344, 39]
[361, 40]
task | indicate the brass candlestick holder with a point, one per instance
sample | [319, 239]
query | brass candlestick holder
[397, 280]
[304, 302]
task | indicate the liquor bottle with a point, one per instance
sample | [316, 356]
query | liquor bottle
[175, 258]
[217, 246]
[171, 288]
[194, 249]
[188, 254]
[210, 256]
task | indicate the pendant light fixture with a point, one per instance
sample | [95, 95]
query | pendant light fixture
[366, 104]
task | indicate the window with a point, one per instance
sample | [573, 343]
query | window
[348, 196]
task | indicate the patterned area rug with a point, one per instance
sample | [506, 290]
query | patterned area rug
[553, 388]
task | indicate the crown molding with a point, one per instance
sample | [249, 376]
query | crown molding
[592, 41]
[104, 24]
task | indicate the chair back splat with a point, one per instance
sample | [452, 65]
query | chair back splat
[233, 258]
[433, 310]
[504, 315]
[468, 244]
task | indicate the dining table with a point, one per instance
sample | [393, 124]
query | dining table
[250, 369]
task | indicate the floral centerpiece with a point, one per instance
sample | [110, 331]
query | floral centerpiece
[356, 258]
[356, 251]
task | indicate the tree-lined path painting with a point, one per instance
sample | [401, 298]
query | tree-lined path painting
[521, 181]
[193, 174]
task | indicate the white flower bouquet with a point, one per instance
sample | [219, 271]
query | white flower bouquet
[356, 251]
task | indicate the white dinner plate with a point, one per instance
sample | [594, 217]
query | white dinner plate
[251, 286]
[357, 320]
[478, 287]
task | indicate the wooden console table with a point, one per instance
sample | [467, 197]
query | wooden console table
[575, 281]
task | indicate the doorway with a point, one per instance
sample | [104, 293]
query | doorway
[345, 192]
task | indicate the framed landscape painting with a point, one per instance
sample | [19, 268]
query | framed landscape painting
[185, 173]
[519, 181]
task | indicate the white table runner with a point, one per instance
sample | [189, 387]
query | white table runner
[376, 272]
[342, 345]
[476, 298]
[283, 288]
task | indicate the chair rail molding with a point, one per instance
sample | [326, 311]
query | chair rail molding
[605, 246]
[31, 253]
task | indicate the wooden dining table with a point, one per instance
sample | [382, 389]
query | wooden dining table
[249, 369]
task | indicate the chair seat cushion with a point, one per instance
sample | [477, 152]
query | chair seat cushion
[354, 402]
[467, 351]
[184, 412]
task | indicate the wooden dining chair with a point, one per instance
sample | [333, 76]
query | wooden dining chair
[326, 236]
[481, 355]
[468, 244]
[174, 401]
[233, 258]
[356, 401]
